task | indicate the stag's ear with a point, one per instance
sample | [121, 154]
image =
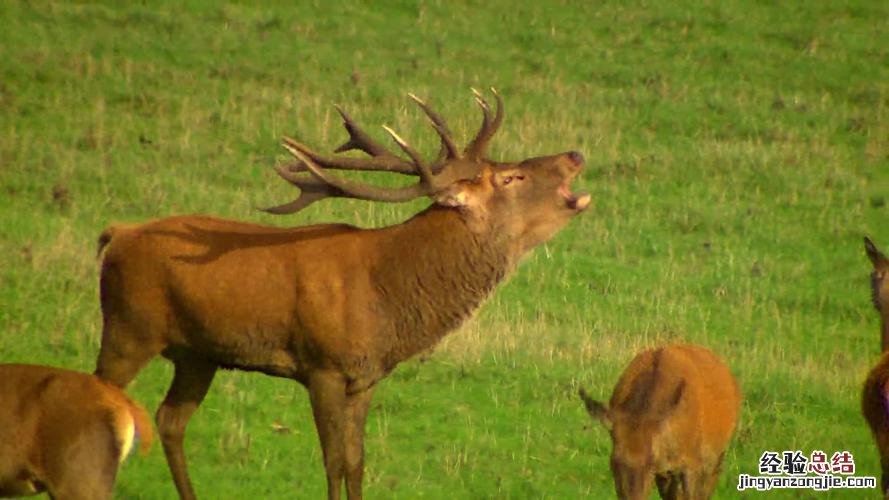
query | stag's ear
[596, 409]
[874, 253]
[458, 194]
[466, 192]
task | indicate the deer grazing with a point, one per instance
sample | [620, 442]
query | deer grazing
[671, 416]
[331, 306]
[875, 396]
[64, 432]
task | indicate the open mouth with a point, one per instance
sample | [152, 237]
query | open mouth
[574, 201]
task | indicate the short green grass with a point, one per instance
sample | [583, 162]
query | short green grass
[737, 153]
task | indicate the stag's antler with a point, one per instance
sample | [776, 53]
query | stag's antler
[476, 148]
[318, 184]
[381, 159]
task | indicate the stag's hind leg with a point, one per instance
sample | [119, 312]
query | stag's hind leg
[327, 390]
[124, 351]
[135, 323]
[191, 380]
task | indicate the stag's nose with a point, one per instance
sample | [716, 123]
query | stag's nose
[576, 157]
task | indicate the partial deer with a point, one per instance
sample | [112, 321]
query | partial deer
[671, 416]
[64, 432]
[331, 306]
[875, 396]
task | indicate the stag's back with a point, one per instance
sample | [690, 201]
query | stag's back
[684, 390]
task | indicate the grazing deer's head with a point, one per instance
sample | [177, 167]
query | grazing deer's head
[636, 435]
[671, 416]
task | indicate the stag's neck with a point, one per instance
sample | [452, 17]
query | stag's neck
[433, 274]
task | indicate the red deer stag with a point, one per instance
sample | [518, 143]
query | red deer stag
[331, 306]
[64, 432]
[875, 396]
[671, 416]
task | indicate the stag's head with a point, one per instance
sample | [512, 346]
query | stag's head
[879, 277]
[529, 201]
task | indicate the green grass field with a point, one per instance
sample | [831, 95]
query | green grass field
[736, 152]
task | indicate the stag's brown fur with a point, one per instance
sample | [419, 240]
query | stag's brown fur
[875, 395]
[671, 416]
[64, 432]
[331, 306]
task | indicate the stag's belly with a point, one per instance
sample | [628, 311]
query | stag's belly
[246, 349]
[237, 323]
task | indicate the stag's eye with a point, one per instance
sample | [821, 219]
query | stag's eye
[510, 178]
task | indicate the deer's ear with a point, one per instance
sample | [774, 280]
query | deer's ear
[467, 192]
[463, 193]
[675, 398]
[596, 409]
[455, 195]
[874, 253]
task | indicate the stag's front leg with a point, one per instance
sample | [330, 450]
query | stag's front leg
[357, 406]
[327, 390]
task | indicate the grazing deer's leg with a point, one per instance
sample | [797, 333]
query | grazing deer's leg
[668, 486]
[683, 485]
[88, 468]
[327, 390]
[191, 381]
[700, 483]
[357, 406]
[87, 486]
[708, 478]
[884, 478]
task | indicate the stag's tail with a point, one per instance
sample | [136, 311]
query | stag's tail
[107, 235]
[104, 239]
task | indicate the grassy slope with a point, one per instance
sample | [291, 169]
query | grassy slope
[737, 153]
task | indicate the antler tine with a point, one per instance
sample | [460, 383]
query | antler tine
[331, 186]
[448, 150]
[381, 159]
[310, 191]
[486, 109]
[476, 149]
[382, 163]
[358, 139]
[422, 169]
